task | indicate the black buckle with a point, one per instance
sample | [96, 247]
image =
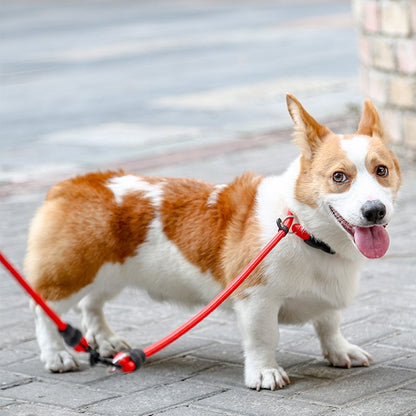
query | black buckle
[281, 226]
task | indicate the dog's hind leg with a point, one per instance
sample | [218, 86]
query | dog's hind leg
[53, 351]
[97, 331]
[335, 348]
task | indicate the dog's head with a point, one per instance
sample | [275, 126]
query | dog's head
[351, 180]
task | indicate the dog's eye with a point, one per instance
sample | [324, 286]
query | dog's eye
[339, 177]
[382, 171]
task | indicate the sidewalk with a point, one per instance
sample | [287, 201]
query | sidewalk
[202, 373]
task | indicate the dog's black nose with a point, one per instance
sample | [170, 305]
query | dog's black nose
[373, 211]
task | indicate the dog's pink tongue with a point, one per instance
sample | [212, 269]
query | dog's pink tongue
[373, 242]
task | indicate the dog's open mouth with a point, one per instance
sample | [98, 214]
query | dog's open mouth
[372, 242]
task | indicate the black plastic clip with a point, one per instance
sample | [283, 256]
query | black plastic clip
[281, 226]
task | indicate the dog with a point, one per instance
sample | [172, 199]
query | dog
[183, 240]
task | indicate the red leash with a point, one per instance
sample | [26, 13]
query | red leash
[202, 314]
[130, 360]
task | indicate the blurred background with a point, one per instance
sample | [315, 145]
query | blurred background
[95, 84]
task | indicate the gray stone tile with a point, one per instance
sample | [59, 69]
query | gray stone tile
[65, 395]
[390, 403]
[322, 369]
[9, 379]
[189, 411]
[384, 354]
[221, 352]
[37, 409]
[411, 386]
[153, 374]
[260, 403]
[358, 386]
[404, 339]
[223, 375]
[362, 333]
[156, 399]
[408, 362]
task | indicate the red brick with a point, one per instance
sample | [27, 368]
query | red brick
[413, 16]
[364, 46]
[378, 83]
[383, 53]
[395, 18]
[392, 125]
[406, 56]
[371, 16]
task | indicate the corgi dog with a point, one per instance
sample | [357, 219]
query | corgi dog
[183, 240]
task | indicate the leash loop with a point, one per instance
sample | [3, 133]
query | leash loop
[281, 224]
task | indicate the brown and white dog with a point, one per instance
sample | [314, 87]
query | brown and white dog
[184, 240]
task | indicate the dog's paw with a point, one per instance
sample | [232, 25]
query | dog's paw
[110, 346]
[59, 361]
[347, 356]
[267, 378]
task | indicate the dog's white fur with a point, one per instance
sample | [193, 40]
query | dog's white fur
[299, 284]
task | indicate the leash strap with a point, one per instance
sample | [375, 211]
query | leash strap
[157, 346]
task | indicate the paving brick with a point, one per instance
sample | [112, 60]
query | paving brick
[397, 318]
[366, 332]
[52, 393]
[224, 375]
[189, 411]
[34, 368]
[385, 354]
[156, 399]
[153, 375]
[358, 387]
[322, 371]
[36, 409]
[261, 403]
[9, 379]
[408, 362]
[5, 403]
[411, 387]
[15, 354]
[390, 403]
[221, 352]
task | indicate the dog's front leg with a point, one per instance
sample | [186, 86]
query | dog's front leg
[257, 318]
[335, 348]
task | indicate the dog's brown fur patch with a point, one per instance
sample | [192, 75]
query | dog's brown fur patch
[211, 236]
[78, 229]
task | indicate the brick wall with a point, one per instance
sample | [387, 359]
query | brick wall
[387, 46]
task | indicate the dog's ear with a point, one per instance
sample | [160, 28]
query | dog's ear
[309, 134]
[370, 124]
